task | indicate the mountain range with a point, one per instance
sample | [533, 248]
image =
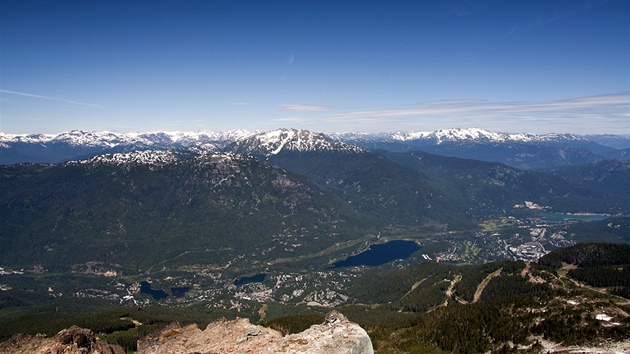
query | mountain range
[524, 151]
[253, 224]
[272, 195]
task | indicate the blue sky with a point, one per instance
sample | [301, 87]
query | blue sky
[330, 66]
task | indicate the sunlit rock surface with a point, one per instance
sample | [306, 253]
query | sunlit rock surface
[73, 340]
[336, 335]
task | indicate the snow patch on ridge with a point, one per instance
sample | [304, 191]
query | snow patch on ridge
[146, 157]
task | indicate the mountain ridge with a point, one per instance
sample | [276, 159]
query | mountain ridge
[521, 150]
[275, 141]
[124, 207]
[79, 137]
[441, 136]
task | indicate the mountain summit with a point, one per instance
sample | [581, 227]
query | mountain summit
[276, 141]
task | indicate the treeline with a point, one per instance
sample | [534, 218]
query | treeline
[376, 286]
[616, 278]
[426, 297]
[571, 327]
[424, 287]
[599, 265]
[472, 276]
[492, 326]
[511, 285]
[603, 276]
[472, 328]
[589, 255]
[456, 328]
[511, 312]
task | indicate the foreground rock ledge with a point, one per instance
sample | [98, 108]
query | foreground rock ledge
[73, 340]
[336, 335]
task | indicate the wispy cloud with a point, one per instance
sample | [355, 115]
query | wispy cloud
[291, 107]
[569, 108]
[291, 120]
[240, 104]
[591, 114]
[76, 103]
[511, 31]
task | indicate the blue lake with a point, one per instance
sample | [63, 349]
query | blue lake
[566, 217]
[258, 278]
[145, 288]
[380, 254]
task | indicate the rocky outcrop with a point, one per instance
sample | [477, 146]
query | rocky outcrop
[73, 340]
[336, 335]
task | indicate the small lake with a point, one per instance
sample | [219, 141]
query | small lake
[145, 288]
[566, 217]
[258, 278]
[380, 254]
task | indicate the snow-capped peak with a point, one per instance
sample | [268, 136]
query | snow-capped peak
[477, 135]
[25, 138]
[112, 139]
[273, 142]
[83, 138]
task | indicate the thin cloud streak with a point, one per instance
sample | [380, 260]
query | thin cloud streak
[593, 114]
[296, 107]
[613, 104]
[24, 94]
[290, 120]
[509, 34]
